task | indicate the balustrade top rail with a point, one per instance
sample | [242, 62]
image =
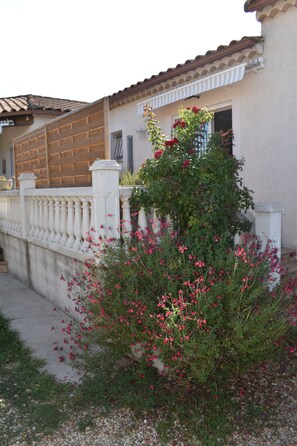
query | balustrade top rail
[60, 192]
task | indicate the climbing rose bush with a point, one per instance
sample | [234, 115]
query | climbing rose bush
[205, 322]
[199, 187]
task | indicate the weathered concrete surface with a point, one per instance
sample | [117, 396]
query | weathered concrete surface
[39, 324]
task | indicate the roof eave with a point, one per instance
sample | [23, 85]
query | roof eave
[31, 112]
[196, 63]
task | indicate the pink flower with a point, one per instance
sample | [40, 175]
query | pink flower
[158, 154]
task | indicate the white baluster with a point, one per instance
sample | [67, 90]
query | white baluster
[142, 220]
[46, 218]
[169, 222]
[40, 218]
[57, 220]
[36, 217]
[13, 215]
[70, 223]
[6, 222]
[63, 221]
[31, 216]
[156, 222]
[77, 223]
[12, 225]
[51, 220]
[126, 224]
[85, 223]
[19, 220]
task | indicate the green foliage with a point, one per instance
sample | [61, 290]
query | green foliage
[200, 190]
[39, 400]
[130, 179]
[205, 322]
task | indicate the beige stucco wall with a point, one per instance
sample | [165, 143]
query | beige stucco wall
[268, 117]
[9, 133]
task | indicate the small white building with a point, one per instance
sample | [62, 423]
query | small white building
[251, 86]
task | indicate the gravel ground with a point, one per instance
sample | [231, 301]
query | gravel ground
[273, 387]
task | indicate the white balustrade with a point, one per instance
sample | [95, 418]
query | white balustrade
[10, 218]
[69, 217]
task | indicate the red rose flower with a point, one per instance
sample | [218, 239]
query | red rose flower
[186, 163]
[171, 142]
[195, 110]
[181, 124]
[158, 154]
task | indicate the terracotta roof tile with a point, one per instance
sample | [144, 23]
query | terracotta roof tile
[257, 5]
[209, 57]
[32, 102]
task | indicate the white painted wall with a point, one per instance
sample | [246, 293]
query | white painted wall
[264, 109]
[268, 131]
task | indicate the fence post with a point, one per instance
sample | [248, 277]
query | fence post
[26, 181]
[106, 197]
[268, 224]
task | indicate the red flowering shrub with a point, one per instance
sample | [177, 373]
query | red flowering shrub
[203, 321]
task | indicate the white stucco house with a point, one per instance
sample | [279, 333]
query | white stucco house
[251, 86]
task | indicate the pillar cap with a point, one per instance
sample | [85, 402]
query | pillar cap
[105, 165]
[269, 207]
[27, 176]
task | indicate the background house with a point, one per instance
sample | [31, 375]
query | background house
[22, 114]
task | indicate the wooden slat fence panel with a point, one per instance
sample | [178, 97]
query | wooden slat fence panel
[61, 152]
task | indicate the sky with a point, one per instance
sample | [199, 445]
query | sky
[87, 49]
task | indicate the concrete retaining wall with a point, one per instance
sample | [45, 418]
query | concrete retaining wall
[41, 269]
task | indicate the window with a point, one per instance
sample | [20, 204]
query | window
[222, 121]
[117, 146]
